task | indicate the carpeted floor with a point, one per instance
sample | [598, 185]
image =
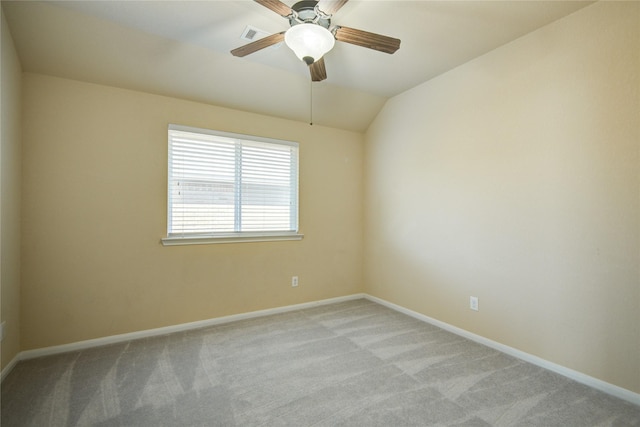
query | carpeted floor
[348, 364]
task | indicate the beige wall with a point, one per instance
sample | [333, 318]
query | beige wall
[515, 178]
[10, 170]
[94, 210]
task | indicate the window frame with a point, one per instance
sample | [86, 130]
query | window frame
[177, 238]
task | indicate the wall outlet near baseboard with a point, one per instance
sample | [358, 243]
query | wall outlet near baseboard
[294, 281]
[2, 327]
[473, 303]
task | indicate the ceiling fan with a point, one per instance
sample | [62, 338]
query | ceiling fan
[311, 35]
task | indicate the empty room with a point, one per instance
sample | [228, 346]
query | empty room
[320, 213]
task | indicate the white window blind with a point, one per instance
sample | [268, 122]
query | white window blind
[223, 185]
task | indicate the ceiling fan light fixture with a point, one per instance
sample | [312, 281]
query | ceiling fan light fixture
[309, 41]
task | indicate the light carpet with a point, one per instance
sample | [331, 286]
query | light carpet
[354, 363]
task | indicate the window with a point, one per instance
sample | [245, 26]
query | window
[225, 187]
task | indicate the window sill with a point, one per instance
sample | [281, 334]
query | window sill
[231, 238]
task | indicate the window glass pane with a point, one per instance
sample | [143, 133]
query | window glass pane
[224, 184]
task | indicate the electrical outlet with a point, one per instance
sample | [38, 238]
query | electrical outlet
[473, 303]
[2, 327]
[294, 281]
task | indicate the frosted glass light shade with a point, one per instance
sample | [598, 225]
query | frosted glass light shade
[309, 41]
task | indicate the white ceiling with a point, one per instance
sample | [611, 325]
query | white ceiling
[181, 49]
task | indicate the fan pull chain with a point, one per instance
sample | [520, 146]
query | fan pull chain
[310, 102]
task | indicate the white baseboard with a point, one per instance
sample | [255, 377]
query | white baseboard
[9, 367]
[113, 339]
[595, 383]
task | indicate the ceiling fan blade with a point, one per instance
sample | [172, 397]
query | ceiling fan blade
[329, 7]
[277, 6]
[258, 44]
[318, 70]
[366, 39]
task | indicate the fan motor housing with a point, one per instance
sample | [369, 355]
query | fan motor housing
[305, 12]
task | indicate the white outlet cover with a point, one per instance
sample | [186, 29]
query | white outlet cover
[473, 303]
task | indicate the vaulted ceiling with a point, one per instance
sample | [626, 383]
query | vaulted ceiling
[181, 49]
